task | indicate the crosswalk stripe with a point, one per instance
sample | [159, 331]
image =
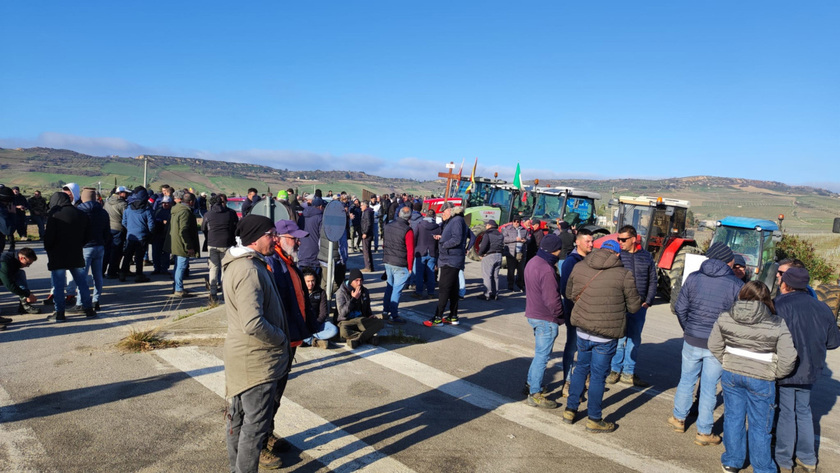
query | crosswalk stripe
[340, 451]
[517, 412]
[21, 447]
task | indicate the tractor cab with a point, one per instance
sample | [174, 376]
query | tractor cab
[510, 201]
[756, 240]
[658, 221]
[574, 206]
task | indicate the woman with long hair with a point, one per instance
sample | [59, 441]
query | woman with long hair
[755, 348]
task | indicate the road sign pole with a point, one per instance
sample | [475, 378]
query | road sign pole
[330, 276]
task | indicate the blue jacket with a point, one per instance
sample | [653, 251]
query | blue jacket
[811, 324]
[453, 243]
[310, 221]
[137, 219]
[706, 293]
[643, 267]
[100, 223]
[566, 271]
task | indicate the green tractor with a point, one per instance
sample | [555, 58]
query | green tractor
[574, 206]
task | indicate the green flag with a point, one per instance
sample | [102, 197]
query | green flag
[517, 179]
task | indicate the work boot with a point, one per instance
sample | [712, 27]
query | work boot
[705, 440]
[527, 389]
[269, 460]
[730, 469]
[277, 445]
[613, 377]
[5, 320]
[57, 317]
[569, 416]
[678, 425]
[141, 278]
[90, 313]
[538, 400]
[599, 426]
[804, 467]
[633, 380]
[321, 343]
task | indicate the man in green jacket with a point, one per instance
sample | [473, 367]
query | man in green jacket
[182, 238]
[256, 347]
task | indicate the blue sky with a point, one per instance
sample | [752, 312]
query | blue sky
[604, 89]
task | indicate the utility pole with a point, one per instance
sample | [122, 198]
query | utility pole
[145, 170]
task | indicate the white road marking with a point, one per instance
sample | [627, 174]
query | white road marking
[20, 447]
[340, 451]
[513, 411]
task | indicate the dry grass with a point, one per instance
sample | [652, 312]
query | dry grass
[401, 338]
[144, 340]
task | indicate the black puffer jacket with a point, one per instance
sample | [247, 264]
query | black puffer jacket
[643, 267]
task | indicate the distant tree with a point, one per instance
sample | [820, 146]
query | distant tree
[794, 246]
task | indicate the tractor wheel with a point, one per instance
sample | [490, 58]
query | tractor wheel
[667, 277]
[472, 253]
[830, 294]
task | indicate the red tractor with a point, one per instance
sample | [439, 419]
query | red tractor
[661, 229]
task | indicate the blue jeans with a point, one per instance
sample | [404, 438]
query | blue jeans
[93, 262]
[58, 278]
[624, 360]
[698, 363]
[795, 427]
[180, 267]
[545, 333]
[746, 398]
[424, 274]
[326, 331]
[593, 357]
[397, 277]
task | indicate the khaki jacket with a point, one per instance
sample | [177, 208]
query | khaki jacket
[256, 347]
[603, 305]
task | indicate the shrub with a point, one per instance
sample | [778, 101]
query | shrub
[794, 246]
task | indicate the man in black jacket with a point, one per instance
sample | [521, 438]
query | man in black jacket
[219, 226]
[490, 250]
[812, 326]
[639, 262]
[398, 257]
[367, 227]
[68, 229]
[94, 249]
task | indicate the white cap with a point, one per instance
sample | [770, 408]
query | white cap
[121, 189]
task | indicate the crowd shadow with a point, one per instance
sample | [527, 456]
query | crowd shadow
[823, 398]
[70, 400]
[410, 420]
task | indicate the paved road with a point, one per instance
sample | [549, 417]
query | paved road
[69, 401]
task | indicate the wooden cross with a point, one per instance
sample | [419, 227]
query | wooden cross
[449, 178]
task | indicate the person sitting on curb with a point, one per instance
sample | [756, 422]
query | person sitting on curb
[14, 278]
[356, 323]
[324, 329]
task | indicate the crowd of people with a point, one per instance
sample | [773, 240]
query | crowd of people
[273, 278]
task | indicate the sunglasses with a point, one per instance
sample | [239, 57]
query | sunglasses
[624, 239]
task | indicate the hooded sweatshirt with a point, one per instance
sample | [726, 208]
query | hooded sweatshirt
[137, 217]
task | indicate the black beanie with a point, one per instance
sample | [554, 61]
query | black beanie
[252, 227]
[355, 274]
